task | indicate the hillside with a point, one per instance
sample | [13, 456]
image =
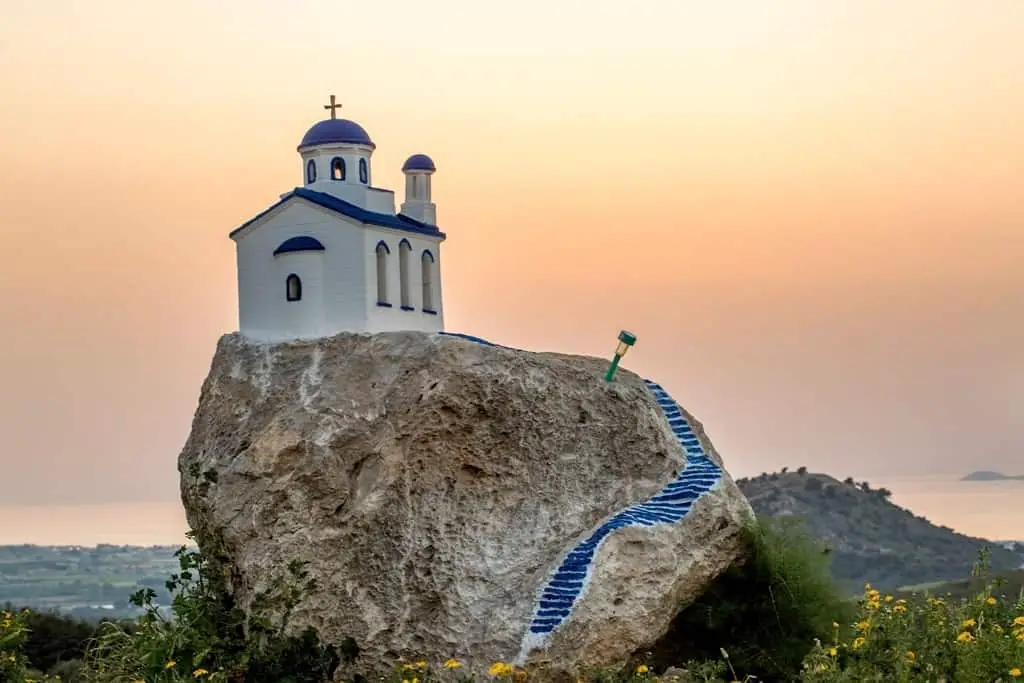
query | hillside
[1009, 584]
[870, 538]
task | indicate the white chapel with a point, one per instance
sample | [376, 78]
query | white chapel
[334, 255]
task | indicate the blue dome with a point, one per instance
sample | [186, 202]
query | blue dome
[336, 130]
[419, 162]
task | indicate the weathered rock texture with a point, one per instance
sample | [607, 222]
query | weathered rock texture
[436, 486]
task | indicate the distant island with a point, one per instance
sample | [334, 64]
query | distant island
[988, 475]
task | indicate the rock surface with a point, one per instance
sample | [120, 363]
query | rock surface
[455, 499]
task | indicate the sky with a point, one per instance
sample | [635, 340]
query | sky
[810, 213]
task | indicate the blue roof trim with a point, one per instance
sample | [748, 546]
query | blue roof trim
[398, 222]
[300, 243]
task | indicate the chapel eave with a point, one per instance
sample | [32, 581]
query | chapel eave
[340, 206]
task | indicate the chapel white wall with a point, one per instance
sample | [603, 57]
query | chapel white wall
[393, 318]
[336, 288]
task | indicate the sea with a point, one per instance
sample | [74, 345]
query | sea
[992, 510]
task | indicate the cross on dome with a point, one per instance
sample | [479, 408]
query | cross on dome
[332, 106]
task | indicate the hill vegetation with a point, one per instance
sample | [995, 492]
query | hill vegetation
[869, 537]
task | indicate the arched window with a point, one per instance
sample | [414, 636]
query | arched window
[364, 172]
[293, 288]
[337, 168]
[382, 273]
[427, 270]
[311, 172]
[404, 248]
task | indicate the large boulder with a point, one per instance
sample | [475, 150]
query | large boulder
[451, 498]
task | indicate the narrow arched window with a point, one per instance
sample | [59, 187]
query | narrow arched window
[382, 273]
[337, 168]
[293, 288]
[404, 248]
[311, 172]
[364, 172]
[427, 270]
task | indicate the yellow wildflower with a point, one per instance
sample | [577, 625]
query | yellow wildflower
[1015, 672]
[858, 642]
[1019, 621]
[965, 637]
[899, 608]
[888, 598]
[863, 625]
[199, 673]
[500, 669]
[407, 667]
[642, 669]
[910, 655]
[422, 664]
[990, 600]
[832, 652]
[452, 664]
[967, 623]
[171, 664]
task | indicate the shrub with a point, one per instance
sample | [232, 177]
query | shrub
[206, 637]
[766, 612]
[926, 638]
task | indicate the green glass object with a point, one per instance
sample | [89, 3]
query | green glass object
[626, 340]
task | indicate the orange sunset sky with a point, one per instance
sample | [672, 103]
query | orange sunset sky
[811, 212]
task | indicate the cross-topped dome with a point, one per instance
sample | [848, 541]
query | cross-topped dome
[335, 130]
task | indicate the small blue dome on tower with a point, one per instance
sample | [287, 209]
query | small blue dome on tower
[336, 130]
[419, 162]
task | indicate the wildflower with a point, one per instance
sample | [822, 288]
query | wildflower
[899, 609]
[863, 625]
[1015, 672]
[199, 673]
[968, 623]
[990, 600]
[911, 656]
[500, 669]
[421, 664]
[965, 637]
[832, 652]
[835, 624]
[858, 642]
[170, 665]
[642, 669]
[452, 664]
[408, 666]
[888, 598]
[1019, 621]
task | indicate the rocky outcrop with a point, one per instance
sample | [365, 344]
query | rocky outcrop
[451, 498]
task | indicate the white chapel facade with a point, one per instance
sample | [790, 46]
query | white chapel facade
[334, 255]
